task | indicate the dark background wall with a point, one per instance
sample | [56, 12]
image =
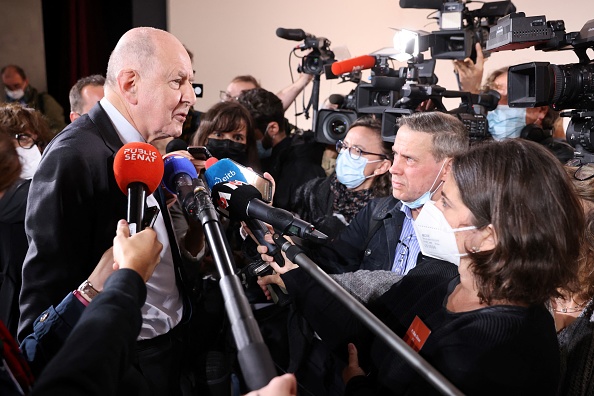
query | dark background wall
[59, 41]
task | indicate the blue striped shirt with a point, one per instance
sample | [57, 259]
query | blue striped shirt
[408, 249]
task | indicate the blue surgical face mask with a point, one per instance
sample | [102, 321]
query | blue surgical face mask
[506, 122]
[351, 172]
[422, 200]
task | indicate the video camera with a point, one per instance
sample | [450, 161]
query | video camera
[562, 87]
[318, 60]
[397, 93]
[460, 28]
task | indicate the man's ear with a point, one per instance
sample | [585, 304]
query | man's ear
[383, 168]
[273, 128]
[128, 85]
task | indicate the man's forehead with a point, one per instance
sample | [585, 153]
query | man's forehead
[407, 139]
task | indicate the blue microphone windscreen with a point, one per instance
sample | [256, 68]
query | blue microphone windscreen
[174, 165]
[223, 170]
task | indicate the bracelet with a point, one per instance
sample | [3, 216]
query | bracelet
[80, 298]
[87, 291]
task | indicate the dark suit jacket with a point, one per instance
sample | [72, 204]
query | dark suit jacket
[72, 212]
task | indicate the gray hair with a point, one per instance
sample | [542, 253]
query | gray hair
[448, 134]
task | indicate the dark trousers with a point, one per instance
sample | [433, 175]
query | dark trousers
[160, 361]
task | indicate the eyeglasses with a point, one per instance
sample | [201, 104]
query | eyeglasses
[585, 171]
[355, 152]
[25, 141]
[225, 97]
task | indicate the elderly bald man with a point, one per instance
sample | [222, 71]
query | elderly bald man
[75, 202]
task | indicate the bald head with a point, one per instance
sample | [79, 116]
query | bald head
[149, 81]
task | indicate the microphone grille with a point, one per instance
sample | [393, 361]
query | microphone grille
[138, 162]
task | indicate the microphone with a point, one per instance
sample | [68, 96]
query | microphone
[291, 34]
[225, 170]
[179, 178]
[138, 169]
[221, 171]
[349, 65]
[176, 145]
[243, 201]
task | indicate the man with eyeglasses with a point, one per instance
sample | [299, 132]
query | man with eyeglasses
[381, 236]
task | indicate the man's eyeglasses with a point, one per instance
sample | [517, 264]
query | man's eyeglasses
[25, 141]
[225, 97]
[585, 171]
[355, 152]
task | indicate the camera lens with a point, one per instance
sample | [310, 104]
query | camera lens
[336, 126]
[382, 98]
[312, 64]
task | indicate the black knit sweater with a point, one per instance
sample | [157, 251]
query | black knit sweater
[490, 351]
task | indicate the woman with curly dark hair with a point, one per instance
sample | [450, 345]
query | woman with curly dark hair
[30, 132]
[361, 174]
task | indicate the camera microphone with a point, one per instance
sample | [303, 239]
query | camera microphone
[489, 100]
[336, 99]
[292, 34]
[349, 65]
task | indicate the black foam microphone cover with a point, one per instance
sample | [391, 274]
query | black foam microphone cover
[235, 198]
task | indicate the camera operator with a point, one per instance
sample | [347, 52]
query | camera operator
[504, 122]
[539, 124]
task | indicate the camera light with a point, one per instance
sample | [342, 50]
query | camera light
[406, 44]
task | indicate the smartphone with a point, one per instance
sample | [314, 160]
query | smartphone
[257, 180]
[199, 152]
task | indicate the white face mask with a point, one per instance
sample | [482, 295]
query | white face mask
[17, 94]
[30, 159]
[436, 237]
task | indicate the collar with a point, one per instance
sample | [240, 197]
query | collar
[407, 211]
[124, 129]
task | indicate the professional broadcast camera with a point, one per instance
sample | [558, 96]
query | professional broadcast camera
[397, 93]
[562, 87]
[318, 60]
[459, 27]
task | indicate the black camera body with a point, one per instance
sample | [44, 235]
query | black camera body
[459, 28]
[318, 60]
[389, 97]
[562, 87]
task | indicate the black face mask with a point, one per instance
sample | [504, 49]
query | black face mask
[225, 148]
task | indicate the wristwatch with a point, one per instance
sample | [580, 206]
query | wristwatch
[87, 291]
